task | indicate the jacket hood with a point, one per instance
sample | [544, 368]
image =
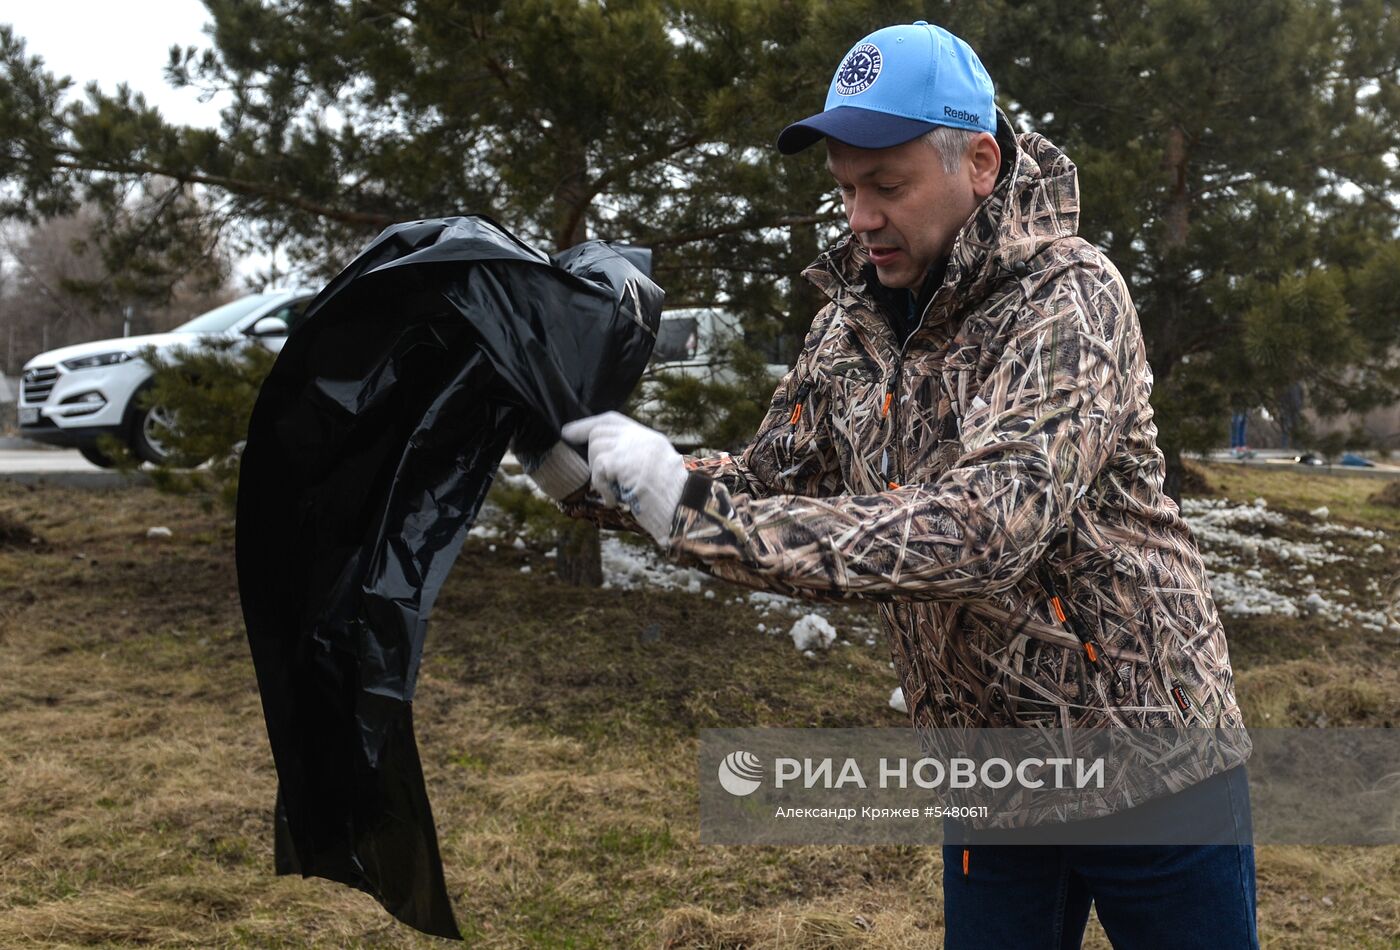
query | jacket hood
[1035, 203]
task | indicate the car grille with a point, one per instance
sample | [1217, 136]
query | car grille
[38, 383]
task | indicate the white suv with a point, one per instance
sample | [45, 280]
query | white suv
[74, 395]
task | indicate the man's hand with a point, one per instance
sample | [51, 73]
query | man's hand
[561, 473]
[635, 464]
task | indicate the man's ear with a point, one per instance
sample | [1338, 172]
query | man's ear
[984, 155]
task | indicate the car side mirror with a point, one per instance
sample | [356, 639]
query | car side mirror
[269, 326]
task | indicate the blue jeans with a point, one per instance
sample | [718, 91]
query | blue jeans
[1148, 896]
[1239, 425]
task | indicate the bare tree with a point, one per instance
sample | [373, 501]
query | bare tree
[71, 279]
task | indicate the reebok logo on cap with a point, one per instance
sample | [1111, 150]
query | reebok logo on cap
[950, 113]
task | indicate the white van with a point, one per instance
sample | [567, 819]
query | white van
[689, 342]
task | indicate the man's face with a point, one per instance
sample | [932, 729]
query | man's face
[903, 207]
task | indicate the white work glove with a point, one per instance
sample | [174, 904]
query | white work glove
[634, 464]
[561, 472]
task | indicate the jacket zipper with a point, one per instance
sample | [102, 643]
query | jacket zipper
[798, 403]
[1093, 652]
[890, 392]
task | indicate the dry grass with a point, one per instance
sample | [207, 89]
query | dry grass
[1348, 498]
[1387, 497]
[558, 746]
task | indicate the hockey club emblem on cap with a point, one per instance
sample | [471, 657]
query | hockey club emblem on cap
[859, 70]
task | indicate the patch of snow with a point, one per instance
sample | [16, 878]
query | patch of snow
[630, 567]
[1221, 527]
[1320, 606]
[1371, 619]
[1241, 563]
[1242, 596]
[897, 699]
[521, 481]
[766, 601]
[812, 630]
[1351, 531]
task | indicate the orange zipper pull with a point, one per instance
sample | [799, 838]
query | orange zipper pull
[797, 403]
[885, 409]
[1091, 649]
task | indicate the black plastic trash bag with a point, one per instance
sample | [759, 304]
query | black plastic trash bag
[370, 450]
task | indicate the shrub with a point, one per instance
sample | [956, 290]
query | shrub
[208, 392]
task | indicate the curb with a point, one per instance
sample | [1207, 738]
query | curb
[78, 479]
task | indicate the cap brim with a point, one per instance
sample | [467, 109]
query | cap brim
[862, 128]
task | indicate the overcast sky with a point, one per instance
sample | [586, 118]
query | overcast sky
[114, 42]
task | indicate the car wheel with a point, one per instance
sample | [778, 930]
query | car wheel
[150, 436]
[96, 456]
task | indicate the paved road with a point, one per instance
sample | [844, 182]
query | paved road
[42, 460]
[23, 461]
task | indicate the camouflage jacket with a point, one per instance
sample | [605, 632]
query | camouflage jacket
[993, 486]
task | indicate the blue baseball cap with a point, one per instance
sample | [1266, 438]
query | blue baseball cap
[897, 84]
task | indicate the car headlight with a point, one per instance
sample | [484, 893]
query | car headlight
[99, 359]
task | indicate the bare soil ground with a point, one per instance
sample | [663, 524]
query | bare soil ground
[557, 728]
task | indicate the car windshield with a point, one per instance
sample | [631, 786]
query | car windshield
[221, 318]
[675, 340]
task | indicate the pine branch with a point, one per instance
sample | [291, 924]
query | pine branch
[77, 162]
[707, 234]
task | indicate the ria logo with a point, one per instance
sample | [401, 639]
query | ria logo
[740, 773]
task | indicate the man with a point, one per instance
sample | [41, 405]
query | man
[966, 441]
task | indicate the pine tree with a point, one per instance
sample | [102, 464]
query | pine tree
[1238, 164]
[1237, 161]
